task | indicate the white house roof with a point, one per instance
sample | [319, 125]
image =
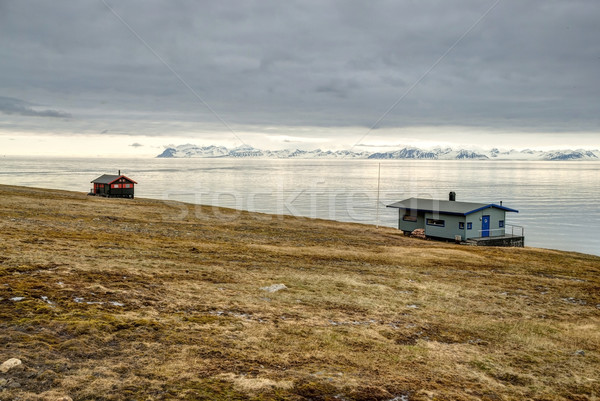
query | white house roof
[446, 207]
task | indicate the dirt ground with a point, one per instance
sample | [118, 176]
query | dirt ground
[111, 299]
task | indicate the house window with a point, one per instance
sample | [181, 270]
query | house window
[501, 223]
[408, 217]
[437, 223]
[127, 185]
[115, 186]
[469, 226]
[461, 225]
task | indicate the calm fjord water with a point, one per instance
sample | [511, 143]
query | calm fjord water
[558, 202]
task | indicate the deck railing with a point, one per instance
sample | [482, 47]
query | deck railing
[519, 229]
[514, 230]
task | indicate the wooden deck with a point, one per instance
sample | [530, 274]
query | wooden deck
[498, 240]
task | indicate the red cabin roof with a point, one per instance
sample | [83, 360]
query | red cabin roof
[110, 178]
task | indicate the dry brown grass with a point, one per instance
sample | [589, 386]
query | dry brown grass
[369, 314]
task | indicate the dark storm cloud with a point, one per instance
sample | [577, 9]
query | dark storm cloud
[527, 65]
[15, 106]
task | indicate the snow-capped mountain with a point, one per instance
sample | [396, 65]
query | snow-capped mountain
[406, 153]
[246, 151]
[572, 155]
[190, 150]
[434, 154]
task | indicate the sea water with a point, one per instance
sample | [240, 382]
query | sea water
[558, 202]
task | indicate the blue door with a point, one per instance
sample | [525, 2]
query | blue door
[485, 226]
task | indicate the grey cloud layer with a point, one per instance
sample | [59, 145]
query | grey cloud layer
[530, 65]
[16, 106]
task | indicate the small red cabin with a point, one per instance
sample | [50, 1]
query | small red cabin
[113, 186]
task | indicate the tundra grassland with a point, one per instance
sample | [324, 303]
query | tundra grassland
[115, 299]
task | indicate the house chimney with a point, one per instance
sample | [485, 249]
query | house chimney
[452, 196]
[500, 203]
[119, 172]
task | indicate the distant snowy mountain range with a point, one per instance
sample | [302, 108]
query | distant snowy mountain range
[189, 150]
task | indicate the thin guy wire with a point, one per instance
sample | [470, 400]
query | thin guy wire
[427, 72]
[133, 31]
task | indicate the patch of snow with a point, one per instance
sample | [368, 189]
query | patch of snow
[400, 398]
[353, 323]
[115, 303]
[574, 301]
[45, 299]
[245, 316]
[17, 299]
[274, 288]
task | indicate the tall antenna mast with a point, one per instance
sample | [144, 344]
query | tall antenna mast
[378, 182]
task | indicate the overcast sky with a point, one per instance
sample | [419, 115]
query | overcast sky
[106, 75]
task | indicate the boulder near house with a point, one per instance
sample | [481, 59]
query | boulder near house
[476, 223]
[113, 186]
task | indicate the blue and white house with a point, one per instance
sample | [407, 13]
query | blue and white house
[460, 221]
